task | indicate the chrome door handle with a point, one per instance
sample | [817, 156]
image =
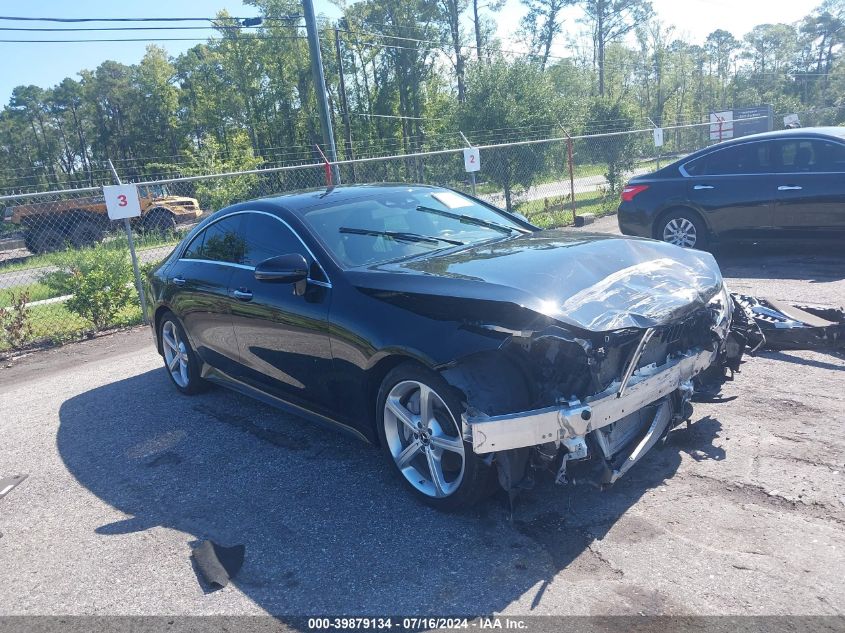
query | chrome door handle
[243, 295]
[178, 281]
[789, 188]
[700, 187]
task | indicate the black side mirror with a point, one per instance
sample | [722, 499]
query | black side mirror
[289, 269]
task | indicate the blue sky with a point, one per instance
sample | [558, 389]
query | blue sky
[47, 64]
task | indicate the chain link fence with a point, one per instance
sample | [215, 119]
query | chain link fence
[65, 270]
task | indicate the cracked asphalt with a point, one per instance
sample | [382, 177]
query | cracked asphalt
[741, 513]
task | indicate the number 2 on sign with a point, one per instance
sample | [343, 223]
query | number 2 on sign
[472, 159]
[122, 201]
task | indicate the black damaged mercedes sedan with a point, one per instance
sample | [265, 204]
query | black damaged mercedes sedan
[470, 345]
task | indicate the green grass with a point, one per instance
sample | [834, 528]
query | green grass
[589, 202]
[37, 291]
[54, 324]
[7, 227]
[40, 261]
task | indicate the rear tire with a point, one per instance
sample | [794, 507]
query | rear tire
[683, 228]
[431, 458]
[180, 360]
[86, 233]
[44, 240]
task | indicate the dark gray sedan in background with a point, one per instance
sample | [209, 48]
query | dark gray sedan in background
[771, 186]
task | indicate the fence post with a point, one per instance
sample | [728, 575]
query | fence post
[126, 225]
[328, 167]
[472, 173]
[569, 156]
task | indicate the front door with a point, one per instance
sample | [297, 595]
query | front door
[734, 191]
[202, 302]
[281, 328]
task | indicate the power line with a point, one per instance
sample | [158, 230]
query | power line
[151, 39]
[128, 28]
[39, 19]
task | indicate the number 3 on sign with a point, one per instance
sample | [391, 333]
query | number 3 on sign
[472, 159]
[122, 201]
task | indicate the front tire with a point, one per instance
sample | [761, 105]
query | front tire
[44, 240]
[180, 360]
[418, 419]
[159, 222]
[683, 228]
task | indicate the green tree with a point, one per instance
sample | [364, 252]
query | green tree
[609, 21]
[617, 151]
[542, 24]
[506, 94]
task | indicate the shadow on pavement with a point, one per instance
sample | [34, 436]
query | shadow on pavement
[818, 262]
[328, 528]
[791, 357]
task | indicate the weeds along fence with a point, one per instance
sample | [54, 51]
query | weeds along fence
[65, 270]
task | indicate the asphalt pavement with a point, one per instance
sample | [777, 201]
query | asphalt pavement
[741, 513]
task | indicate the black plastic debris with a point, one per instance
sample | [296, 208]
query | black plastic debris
[7, 484]
[783, 326]
[218, 564]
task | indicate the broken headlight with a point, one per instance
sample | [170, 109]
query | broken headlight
[720, 306]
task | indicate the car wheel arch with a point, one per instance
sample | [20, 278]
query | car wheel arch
[375, 377]
[161, 312]
[490, 382]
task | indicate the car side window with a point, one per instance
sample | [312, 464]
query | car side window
[746, 158]
[829, 156]
[266, 237]
[221, 241]
[796, 156]
[194, 249]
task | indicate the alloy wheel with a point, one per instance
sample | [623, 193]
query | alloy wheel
[680, 232]
[175, 354]
[424, 439]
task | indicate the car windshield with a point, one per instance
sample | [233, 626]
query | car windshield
[395, 223]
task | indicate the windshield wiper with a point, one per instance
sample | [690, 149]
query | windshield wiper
[468, 219]
[400, 236]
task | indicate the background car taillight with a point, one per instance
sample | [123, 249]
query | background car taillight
[630, 191]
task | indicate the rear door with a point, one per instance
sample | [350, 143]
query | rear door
[281, 328]
[810, 189]
[733, 187]
[201, 299]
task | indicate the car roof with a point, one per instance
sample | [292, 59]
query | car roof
[837, 133]
[800, 131]
[828, 132]
[301, 201]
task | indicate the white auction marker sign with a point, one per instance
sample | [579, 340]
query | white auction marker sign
[472, 159]
[122, 201]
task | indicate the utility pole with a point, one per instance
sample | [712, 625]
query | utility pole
[320, 84]
[343, 104]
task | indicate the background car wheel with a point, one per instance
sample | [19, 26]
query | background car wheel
[45, 240]
[683, 228]
[86, 233]
[180, 360]
[159, 222]
[419, 427]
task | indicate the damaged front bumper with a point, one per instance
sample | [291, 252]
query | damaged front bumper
[781, 326]
[576, 419]
[613, 429]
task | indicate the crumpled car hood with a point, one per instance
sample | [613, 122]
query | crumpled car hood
[593, 281]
